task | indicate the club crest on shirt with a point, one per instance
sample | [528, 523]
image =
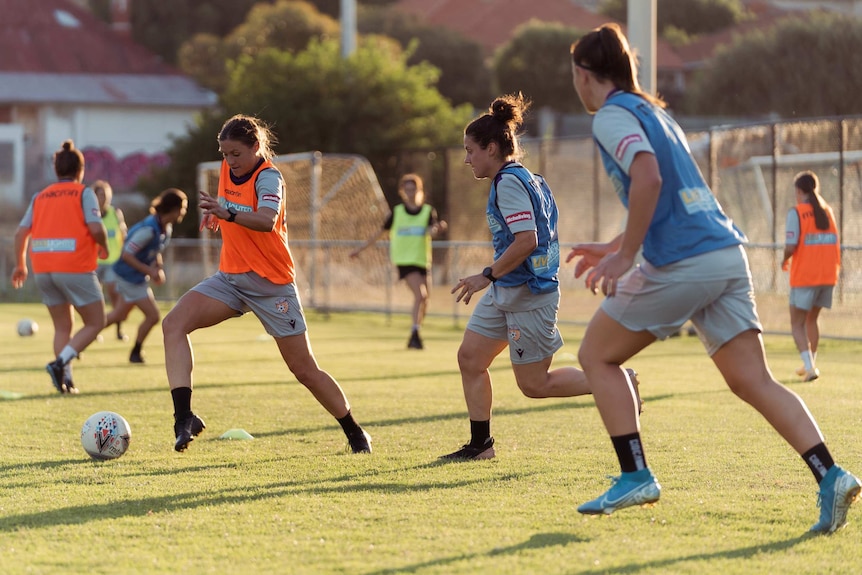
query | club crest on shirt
[514, 332]
[282, 305]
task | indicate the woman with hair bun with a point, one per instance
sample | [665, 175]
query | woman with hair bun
[64, 230]
[695, 268]
[519, 310]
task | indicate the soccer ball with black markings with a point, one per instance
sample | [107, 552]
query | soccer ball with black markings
[105, 435]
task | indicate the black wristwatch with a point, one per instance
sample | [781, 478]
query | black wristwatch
[488, 273]
[232, 215]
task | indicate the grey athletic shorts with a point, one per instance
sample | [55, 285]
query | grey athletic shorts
[76, 289]
[532, 335]
[276, 306]
[106, 273]
[810, 297]
[132, 292]
[714, 290]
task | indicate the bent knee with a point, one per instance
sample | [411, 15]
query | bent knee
[532, 389]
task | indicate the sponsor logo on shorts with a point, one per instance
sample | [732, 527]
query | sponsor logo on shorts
[519, 217]
[625, 143]
[282, 305]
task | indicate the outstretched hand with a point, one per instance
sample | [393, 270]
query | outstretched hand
[590, 254]
[469, 286]
[606, 266]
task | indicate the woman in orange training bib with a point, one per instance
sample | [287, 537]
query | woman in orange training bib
[812, 254]
[63, 227]
[256, 273]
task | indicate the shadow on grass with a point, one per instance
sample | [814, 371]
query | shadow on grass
[537, 541]
[82, 514]
[673, 564]
[546, 540]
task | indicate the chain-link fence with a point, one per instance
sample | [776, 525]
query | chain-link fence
[334, 204]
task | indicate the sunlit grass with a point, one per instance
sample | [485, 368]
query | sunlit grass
[736, 499]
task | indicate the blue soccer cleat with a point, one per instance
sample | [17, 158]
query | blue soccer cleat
[837, 491]
[629, 489]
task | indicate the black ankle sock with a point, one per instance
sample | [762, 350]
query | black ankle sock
[349, 425]
[182, 397]
[819, 461]
[480, 431]
[137, 348]
[630, 452]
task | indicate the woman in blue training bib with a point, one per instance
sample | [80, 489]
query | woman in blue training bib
[695, 268]
[519, 310]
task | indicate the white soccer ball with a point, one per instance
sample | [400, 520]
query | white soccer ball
[105, 435]
[27, 327]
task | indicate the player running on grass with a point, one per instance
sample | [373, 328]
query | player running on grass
[256, 273]
[695, 268]
[519, 310]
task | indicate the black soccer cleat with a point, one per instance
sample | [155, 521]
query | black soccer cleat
[136, 357]
[57, 371]
[360, 442]
[186, 431]
[415, 341]
[469, 451]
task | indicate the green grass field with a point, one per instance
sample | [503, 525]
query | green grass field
[735, 500]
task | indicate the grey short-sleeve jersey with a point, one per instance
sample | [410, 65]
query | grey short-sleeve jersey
[621, 135]
[270, 189]
[515, 205]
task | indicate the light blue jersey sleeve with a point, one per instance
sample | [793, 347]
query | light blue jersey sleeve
[791, 228]
[27, 219]
[270, 189]
[621, 135]
[90, 205]
[515, 205]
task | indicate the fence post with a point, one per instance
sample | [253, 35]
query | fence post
[316, 169]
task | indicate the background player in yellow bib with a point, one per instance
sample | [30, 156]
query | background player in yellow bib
[410, 226]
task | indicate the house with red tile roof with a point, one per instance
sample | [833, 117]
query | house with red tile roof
[66, 74]
[492, 23]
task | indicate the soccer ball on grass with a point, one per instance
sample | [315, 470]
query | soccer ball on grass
[27, 327]
[105, 435]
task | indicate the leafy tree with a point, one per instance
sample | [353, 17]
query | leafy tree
[372, 104]
[789, 70]
[537, 62]
[690, 16]
[464, 76]
[285, 25]
[163, 26]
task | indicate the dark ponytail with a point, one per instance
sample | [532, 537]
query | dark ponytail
[809, 184]
[606, 53]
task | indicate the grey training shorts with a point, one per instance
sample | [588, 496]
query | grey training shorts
[714, 290]
[276, 306]
[75, 289]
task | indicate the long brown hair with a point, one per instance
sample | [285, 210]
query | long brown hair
[606, 53]
[809, 184]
